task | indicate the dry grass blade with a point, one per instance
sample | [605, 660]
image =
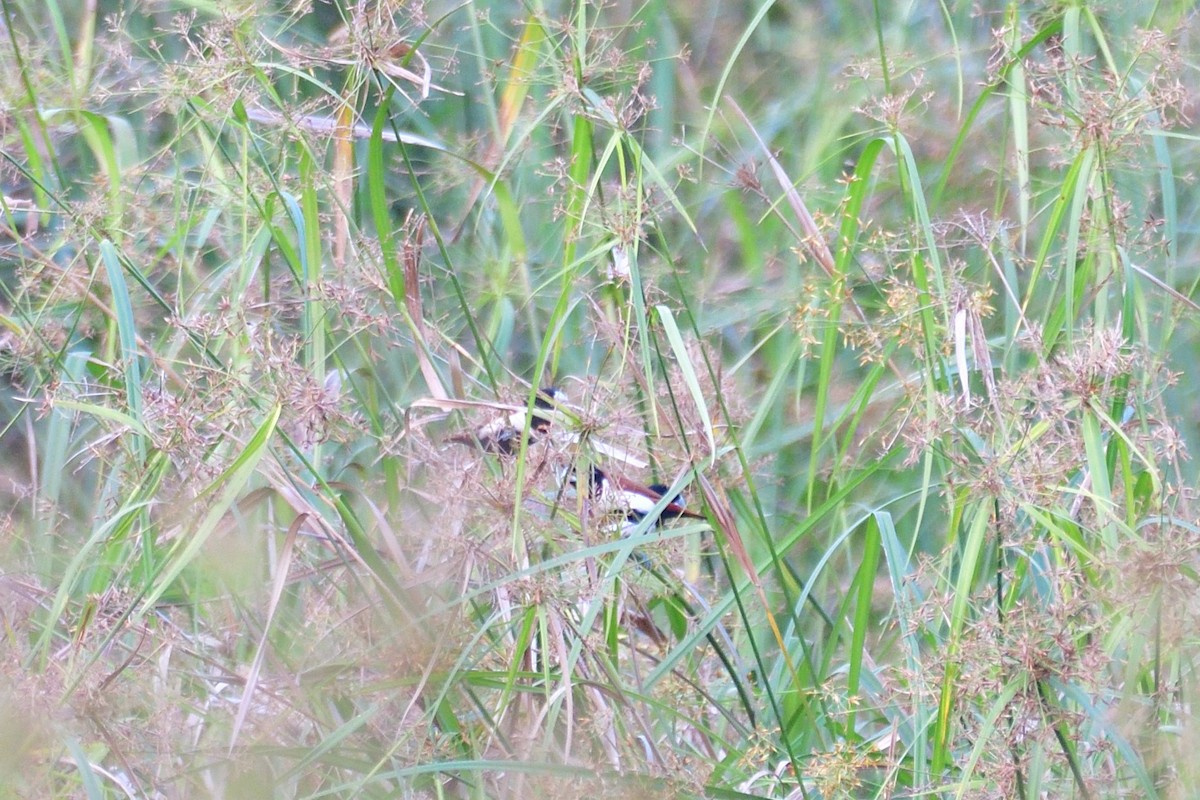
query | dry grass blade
[451, 404]
[1170, 290]
[318, 123]
[413, 241]
[343, 185]
[813, 240]
[727, 524]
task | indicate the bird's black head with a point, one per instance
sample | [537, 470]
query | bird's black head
[547, 398]
[595, 480]
[661, 490]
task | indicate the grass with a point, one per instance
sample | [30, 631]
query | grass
[900, 298]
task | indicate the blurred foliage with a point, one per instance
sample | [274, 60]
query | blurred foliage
[900, 296]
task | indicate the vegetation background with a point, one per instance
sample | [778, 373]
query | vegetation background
[899, 294]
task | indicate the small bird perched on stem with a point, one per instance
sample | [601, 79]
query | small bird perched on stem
[636, 502]
[503, 437]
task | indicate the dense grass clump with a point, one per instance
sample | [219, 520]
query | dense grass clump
[897, 297]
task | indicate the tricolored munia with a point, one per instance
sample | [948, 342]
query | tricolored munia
[503, 437]
[636, 502]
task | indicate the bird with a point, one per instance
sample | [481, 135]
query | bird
[636, 502]
[503, 437]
